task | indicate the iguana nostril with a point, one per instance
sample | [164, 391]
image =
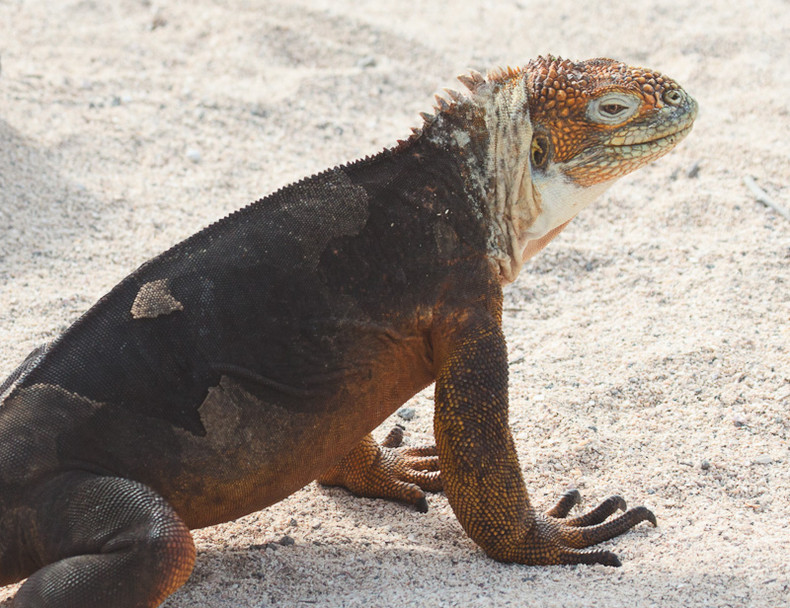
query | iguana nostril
[672, 97]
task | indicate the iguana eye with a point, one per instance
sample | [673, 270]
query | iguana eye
[613, 108]
[539, 153]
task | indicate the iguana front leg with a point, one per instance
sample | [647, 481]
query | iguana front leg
[387, 471]
[480, 469]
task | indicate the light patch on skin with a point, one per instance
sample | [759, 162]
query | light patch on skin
[461, 138]
[325, 207]
[220, 417]
[154, 300]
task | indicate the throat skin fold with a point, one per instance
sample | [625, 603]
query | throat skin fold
[516, 204]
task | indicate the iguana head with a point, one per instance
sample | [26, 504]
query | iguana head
[599, 119]
[558, 134]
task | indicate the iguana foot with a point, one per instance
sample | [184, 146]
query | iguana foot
[555, 539]
[388, 471]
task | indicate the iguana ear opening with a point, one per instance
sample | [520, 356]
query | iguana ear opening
[539, 151]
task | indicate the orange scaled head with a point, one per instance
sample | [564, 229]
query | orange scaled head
[599, 119]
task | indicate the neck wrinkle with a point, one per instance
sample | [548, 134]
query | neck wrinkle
[512, 199]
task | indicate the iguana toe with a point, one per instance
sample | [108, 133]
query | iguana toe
[580, 536]
[394, 438]
[600, 513]
[550, 538]
[378, 471]
[567, 501]
[592, 528]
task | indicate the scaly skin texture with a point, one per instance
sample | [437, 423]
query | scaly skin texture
[561, 107]
[383, 472]
[259, 354]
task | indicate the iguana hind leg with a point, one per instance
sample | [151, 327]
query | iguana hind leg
[106, 541]
[388, 471]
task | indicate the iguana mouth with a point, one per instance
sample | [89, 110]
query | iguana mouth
[627, 151]
[658, 142]
[680, 129]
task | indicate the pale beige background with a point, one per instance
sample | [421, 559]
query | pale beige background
[651, 337]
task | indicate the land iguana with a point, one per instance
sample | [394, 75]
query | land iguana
[258, 354]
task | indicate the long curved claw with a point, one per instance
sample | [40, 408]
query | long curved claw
[580, 537]
[567, 501]
[599, 513]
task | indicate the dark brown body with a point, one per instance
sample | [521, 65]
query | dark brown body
[305, 320]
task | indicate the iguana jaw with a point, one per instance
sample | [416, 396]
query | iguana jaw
[631, 147]
[564, 189]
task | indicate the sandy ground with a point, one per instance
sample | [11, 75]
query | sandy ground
[650, 349]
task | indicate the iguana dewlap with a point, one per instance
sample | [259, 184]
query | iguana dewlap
[258, 354]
